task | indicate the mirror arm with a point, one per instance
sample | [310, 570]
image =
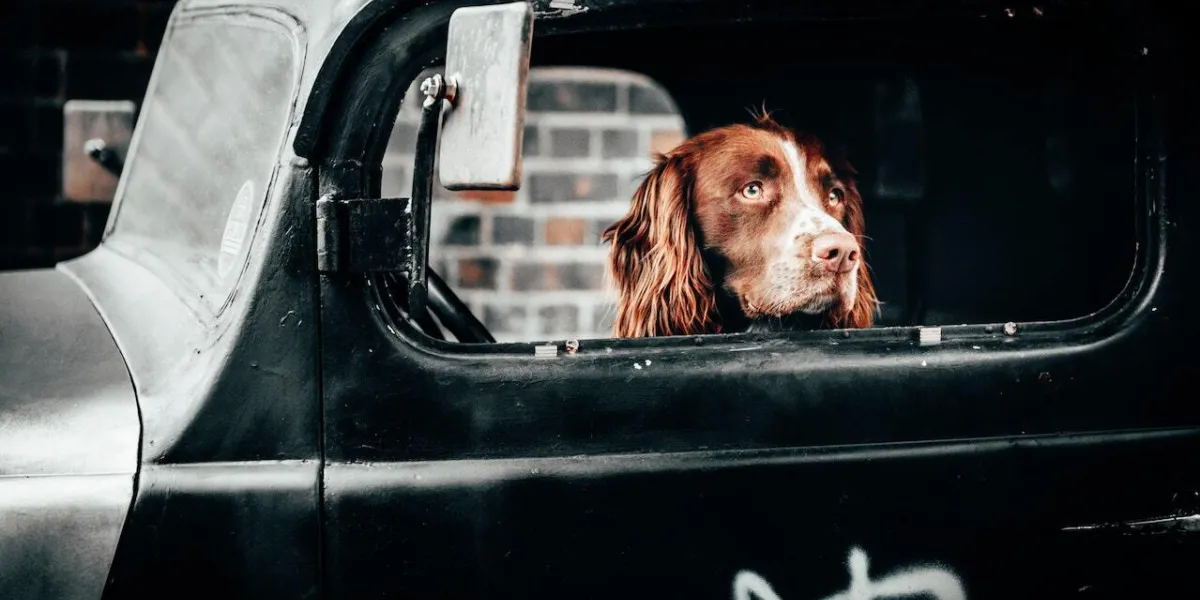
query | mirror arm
[436, 90]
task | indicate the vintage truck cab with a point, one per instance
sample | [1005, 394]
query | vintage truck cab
[256, 387]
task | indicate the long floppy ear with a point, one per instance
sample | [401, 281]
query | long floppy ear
[866, 303]
[655, 260]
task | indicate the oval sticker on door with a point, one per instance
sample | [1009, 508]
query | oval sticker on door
[236, 226]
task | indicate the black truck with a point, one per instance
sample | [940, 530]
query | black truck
[257, 387]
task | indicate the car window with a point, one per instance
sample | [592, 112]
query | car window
[208, 141]
[529, 263]
[997, 179]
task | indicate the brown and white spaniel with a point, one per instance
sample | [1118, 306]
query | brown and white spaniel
[741, 225]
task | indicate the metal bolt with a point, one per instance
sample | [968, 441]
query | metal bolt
[437, 88]
[432, 86]
[1010, 328]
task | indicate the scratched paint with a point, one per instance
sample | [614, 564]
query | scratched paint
[938, 582]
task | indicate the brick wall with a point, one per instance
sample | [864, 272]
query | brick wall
[52, 51]
[529, 263]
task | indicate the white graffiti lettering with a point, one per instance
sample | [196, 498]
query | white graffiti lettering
[937, 582]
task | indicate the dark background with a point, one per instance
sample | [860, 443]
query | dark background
[52, 51]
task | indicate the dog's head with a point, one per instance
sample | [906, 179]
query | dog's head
[757, 213]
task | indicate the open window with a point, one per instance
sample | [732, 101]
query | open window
[995, 156]
[529, 263]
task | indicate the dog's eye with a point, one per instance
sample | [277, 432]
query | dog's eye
[752, 191]
[836, 195]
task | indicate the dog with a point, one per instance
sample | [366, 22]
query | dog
[738, 225]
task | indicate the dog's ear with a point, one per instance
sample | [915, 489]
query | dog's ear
[655, 260]
[866, 304]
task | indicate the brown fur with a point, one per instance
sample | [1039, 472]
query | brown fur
[685, 206]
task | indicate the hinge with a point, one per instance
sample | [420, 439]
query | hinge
[367, 235]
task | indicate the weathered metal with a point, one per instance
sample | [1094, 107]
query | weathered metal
[487, 63]
[295, 434]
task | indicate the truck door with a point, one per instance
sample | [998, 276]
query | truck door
[1037, 458]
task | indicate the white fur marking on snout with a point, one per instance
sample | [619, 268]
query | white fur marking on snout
[791, 284]
[799, 174]
[812, 218]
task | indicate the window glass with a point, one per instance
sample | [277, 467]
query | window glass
[210, 135]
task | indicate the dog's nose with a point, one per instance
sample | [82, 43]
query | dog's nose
[838, 252]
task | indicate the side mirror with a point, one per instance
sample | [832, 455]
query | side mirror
[487, 73]
[487, 78]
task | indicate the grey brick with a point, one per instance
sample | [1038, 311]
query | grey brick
[512, 230]
[566, 276]
[596, 228]
[567, 187]
[403, 139]
[529, 276]
[627, 185]
[463, 231]
[574, 276]
[619, 143]
[570, 143]
[395, 183]
[442, 267]
[558, 318]
[572, 96]
[504, 319]
[603, 316]
[531, 145]
[646, 100]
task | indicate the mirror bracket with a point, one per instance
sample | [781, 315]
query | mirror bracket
[485, 86]
[438, 91]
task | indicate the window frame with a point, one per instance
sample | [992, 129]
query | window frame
[1107, 320]
[390, 393]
